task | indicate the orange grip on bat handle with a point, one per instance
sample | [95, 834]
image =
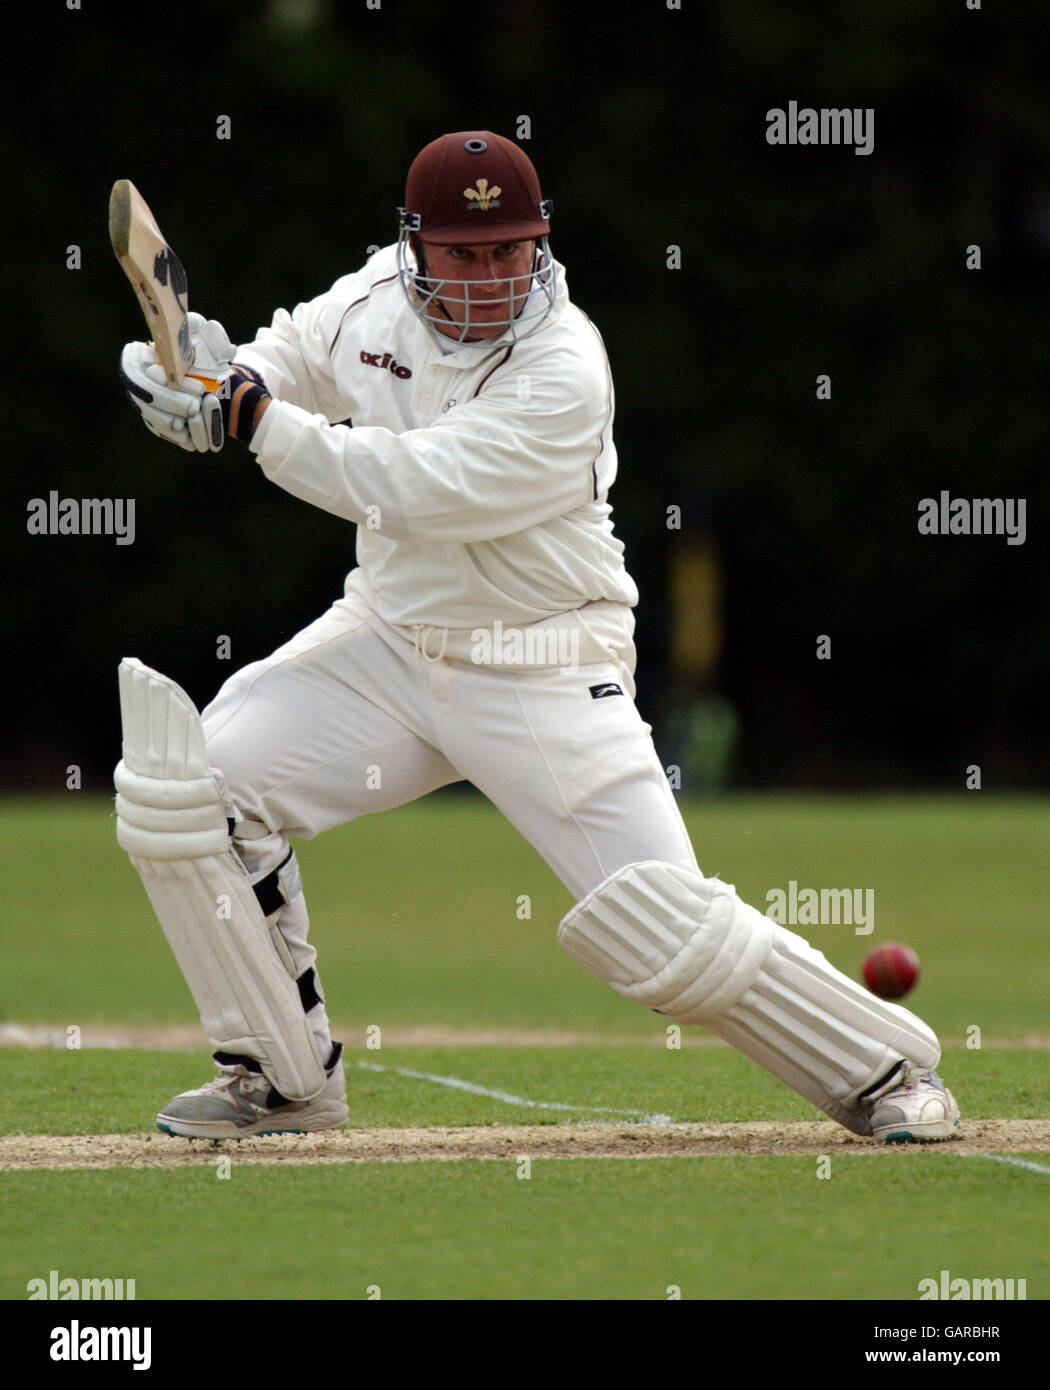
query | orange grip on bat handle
[210, 382]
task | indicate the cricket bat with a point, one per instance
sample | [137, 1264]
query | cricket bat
[158, 279]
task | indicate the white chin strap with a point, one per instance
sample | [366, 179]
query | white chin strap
[424, 296]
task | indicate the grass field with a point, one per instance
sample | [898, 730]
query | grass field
[554, 1146]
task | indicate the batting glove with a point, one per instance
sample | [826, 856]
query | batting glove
[240, 389]
[186, 415]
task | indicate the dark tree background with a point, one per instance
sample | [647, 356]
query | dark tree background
[648, 127]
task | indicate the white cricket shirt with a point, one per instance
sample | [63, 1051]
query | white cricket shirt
[478, 478]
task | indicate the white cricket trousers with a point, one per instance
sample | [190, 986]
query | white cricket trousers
[350, 717]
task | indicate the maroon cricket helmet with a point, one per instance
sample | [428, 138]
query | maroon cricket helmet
[474, 188]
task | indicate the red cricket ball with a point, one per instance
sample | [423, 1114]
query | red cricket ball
[891, 971]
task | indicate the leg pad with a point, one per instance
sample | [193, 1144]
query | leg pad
[689, 948]
[173, 820]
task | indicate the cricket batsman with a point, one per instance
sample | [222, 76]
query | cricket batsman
[451, 400]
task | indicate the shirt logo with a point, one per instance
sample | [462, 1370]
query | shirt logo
[374, 359]
[481, 197]
[602, 692]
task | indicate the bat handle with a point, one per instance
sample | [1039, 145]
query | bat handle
[210, 382]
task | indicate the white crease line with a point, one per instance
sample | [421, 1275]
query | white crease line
[1014, 1162]
[459, 1085]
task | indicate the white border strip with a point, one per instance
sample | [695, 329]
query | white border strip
[458, 1084]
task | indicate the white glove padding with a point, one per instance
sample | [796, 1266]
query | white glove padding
[212, 349]
[187, 415]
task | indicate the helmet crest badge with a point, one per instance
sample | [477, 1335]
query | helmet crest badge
[481, 197]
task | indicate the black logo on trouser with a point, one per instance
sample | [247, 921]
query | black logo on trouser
[599, 692]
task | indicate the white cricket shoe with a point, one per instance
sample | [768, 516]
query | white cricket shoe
[241, 1103]
[912, 1106]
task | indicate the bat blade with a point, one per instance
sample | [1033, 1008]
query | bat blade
[156, 276]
